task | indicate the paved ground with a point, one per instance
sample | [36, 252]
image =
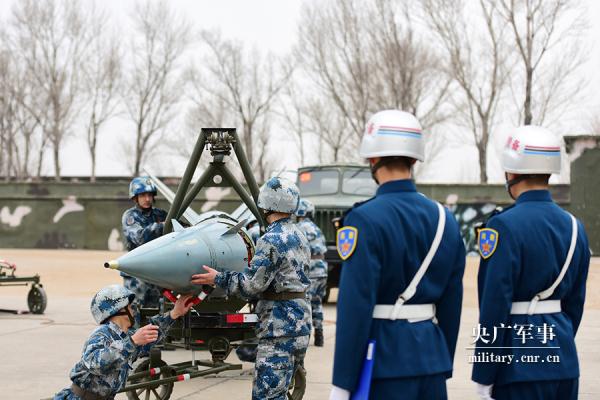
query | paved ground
[37, 352]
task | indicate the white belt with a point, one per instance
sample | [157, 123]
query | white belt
[535, 307]
[411, 312]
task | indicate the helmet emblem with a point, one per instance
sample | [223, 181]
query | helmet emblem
[370, 128]
[515, 145]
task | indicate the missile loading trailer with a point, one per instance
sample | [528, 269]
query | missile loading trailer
[218, 239]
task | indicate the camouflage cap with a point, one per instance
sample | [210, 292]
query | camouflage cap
[109, 300]
[141, 184]
[305, 207]
[280, 195]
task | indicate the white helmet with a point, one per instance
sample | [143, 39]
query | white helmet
[393, 133]
[532, 150]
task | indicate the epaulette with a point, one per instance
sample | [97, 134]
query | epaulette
[482, 224]
[355, 205]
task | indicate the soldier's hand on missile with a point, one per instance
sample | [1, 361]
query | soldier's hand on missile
[205, 279]
[181, 307]
[144, 335]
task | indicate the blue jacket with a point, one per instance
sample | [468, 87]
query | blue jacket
[395, 231]
[533, 240]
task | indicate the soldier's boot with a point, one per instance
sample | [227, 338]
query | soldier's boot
[319, 340]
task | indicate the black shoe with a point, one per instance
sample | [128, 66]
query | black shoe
[319, 341]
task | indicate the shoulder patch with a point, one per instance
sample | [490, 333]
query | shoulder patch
[130, 220]
[346, 240]
[487, 241]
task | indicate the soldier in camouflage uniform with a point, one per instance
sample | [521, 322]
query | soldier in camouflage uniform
[318, 265]
[141, 224]
[277, 278]
[111, 349]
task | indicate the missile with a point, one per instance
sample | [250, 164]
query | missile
[170, 261]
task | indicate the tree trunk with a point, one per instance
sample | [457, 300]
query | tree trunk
[56, 153]
[92, 147]
[40, 162]
[527, 105]
[482, 148]
[248, 142]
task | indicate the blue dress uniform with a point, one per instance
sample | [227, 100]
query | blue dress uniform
[140, 227]
[108, 356]
[529, 247]
[277, 279]
[394, 232]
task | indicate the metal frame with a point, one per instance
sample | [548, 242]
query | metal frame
[220, 142]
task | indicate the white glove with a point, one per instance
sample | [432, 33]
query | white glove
[485, 391]
[338, 393]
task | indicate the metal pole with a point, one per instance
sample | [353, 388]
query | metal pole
[249, 176]
[185, 182]
[245, 165]
[193, 192]
[226, 174]
[158, 382]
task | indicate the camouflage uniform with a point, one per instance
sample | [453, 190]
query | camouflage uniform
[279, 264]
[254, 232]
[140, 227]
[109, 353]
[318, 269]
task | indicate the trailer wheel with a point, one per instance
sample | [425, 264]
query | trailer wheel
[37, 299]
[298, 385]
[154, 392]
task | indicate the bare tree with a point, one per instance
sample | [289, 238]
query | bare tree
[539, 28]
[333, 132]
[362, 67]
[293, 112]
[359, 67]
[101, 80]
[153, 87]
[8, 125]
[52, 40]
[242, 86]
[476, 61]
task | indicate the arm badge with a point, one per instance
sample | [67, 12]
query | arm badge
[487, 241]
[346, 240]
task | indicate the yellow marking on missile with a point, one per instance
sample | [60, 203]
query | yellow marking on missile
[112, 264]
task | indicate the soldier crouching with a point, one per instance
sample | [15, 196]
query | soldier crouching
[111, 349]
[277, 278]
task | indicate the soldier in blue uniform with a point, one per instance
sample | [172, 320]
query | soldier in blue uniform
[401, 281]
[114, 345]
[141, 224]
[277, 279]
[318, 265]
[531, 282]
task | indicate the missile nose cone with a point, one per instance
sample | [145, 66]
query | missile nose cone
[112, 264]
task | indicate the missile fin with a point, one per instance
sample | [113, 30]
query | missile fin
[235, 229]
[177, 227]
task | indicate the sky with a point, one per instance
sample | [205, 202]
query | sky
[271, 25]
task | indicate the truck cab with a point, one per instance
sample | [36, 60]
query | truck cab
[333, 189]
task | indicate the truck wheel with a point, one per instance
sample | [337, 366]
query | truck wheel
[37, 299]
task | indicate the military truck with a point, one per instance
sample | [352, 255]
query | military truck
[333, 189]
